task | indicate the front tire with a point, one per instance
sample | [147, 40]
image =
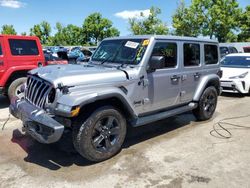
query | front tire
[207, 104]
[14, 89]
[101, 135]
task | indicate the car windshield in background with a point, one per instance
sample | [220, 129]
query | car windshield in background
[236, 61]
[121, 51]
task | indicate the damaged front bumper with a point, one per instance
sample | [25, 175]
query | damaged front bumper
[36, 122]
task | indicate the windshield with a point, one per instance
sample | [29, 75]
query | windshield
[236, 61]
[122, 51]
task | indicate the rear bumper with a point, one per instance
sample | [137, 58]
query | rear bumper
[36, 122]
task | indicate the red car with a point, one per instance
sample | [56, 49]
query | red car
[18, 55]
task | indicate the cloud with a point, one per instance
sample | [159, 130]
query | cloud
[128, 14]
[12, 3]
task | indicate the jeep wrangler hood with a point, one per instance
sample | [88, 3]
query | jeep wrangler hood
[73, 75]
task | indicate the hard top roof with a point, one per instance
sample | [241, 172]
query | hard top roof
[164, 37]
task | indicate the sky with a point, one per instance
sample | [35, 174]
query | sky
[23, 14]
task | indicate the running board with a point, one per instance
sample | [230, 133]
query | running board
[162, 115]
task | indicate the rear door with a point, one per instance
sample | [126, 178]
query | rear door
[2, 59]
[192, 70]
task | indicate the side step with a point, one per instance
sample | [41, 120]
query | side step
[163, 115]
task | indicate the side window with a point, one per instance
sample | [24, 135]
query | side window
[224, 50]
[23, 47]
[1, 52]
[191, 54]
[233, 50]
[169, 51]
[211, 54]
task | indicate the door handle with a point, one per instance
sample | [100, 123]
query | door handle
[197, 75]
[175, 78]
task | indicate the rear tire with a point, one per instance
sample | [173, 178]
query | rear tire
[207, 104]
[14, 89]
[101, 135]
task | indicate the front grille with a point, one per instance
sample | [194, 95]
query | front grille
[37, 91]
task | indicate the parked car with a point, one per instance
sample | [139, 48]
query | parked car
[129, 81]
[52, 60]
[236, 73]
[77, 55]
[18, 55]
[224, 50]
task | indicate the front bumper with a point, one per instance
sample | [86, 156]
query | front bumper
[234, 86]
[36, 122]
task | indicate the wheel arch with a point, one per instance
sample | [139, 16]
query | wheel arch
[211, 80]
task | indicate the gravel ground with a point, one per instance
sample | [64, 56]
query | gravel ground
[176, 152]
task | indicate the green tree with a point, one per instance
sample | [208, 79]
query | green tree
[69, 35]
[42, 31]
[214, 18]
[8, 30]
[96, 28]
[185, 22]
[244, 35]
[24, 34]
[148, 25]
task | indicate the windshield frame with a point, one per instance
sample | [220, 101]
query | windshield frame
[112, 57]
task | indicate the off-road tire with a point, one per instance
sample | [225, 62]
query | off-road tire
[84, 128]
[14, 86]
[207, 104]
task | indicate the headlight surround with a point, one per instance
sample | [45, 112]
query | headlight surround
[239, 76]
[63, 107]
[72, 110]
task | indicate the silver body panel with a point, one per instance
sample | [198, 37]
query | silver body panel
[147, 92]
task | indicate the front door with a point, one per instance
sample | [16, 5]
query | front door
[164, 83]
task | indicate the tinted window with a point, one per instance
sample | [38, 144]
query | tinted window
[23, 47]
[191, 54]
[236, 61]
[224, 50]
[233, 50]
[1, 52]
[169, 51]
[211, 54]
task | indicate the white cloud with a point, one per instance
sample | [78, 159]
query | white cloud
[12, 3]
[127, 14]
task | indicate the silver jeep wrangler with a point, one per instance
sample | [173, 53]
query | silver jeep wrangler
[129, 81]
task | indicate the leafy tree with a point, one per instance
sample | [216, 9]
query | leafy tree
[69, 35]
[244, 35]
[148, 25]
[42, 31]
[24, 34]
[96, 28]
[8, 30]
[213, 18]
[185, 22]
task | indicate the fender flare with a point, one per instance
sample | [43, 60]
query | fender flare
[206, 81]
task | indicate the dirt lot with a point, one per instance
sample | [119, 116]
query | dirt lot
[177, 152]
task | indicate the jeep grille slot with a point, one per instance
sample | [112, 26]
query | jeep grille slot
[37, 91]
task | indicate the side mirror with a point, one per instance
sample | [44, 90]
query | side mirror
[156, 62]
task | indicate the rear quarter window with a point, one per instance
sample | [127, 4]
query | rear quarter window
[1, 52]
[211, 54]
[20, 47]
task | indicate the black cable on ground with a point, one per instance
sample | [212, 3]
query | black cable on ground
[221, 126]
[3, 126]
